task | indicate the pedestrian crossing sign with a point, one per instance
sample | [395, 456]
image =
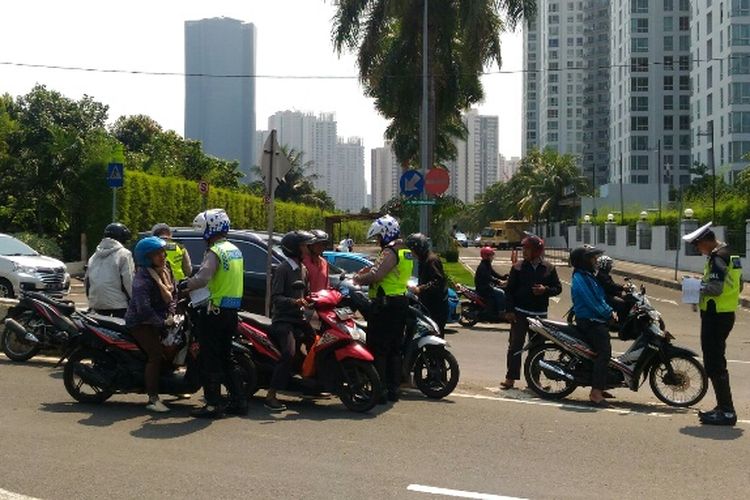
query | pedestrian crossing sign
[115, 174]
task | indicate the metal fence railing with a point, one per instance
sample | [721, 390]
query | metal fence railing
[673, 238]
[611, 235]
[600, 235]
[558, 256]
[631, 237]
[644, 239]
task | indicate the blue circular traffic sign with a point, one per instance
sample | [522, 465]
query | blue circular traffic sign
[411, 183]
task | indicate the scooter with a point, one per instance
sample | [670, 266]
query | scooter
[334, 357]
[559, 360]
[475, 309]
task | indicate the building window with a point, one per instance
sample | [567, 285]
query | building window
[684, 103]
[684, 122]
[639, 64]
[685, 141]
[738, 150]
[668, 6]
[553, 43]
[668, 122]
[684, 63]
[709, 23]
[639, 44]
[638, 143]
[639, 103]
[739, 122]
[709, 77]
[668, 142]
[684, 23]
[639, 162]
[669, 43]
[740, 35]
[668, 82]
[639, 84]
[639, 25]
[668, 102]
[639, 7]
[684, 82]
[739, 64]
[638, 123]
[739, 92]
[684, 43]
[668, 63]
[740, 8]
[710, 105]
[668, 24]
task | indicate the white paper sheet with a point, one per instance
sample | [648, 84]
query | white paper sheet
[691, 290]
[199, 297]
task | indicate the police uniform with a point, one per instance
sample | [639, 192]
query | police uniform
[719, 299]
[175, 257]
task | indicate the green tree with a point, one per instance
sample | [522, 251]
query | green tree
[464, 38]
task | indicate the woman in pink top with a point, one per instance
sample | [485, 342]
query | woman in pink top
[316, 265]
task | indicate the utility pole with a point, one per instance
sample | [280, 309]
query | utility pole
[713, 173]
[424, 226]
[622, 199]
[661, 179]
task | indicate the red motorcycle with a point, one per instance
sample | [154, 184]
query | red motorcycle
[331, 359]
[475, 308]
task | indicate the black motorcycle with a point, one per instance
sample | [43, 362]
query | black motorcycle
[559, 360]
[37, 323]
[475, 309]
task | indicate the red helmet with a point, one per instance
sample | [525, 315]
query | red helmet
[487, 253]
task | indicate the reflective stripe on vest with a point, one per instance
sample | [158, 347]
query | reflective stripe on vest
[175, 254]
[397, 280]
[226, 286]
[729, 299]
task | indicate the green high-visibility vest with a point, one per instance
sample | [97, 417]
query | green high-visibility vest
[226, 285]
[175, 255]
[397, 280]
[729, 299]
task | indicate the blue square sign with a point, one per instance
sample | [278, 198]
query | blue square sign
[115, 175]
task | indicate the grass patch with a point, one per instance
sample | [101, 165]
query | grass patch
[457, 273]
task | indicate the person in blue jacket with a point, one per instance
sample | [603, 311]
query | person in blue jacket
[592, 315]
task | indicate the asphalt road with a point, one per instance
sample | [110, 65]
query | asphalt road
[478, 440]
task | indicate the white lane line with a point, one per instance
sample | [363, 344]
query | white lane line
[433, 490]
[9, 495]
[572, 406]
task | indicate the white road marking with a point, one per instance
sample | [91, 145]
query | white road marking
[9, 495]
[433, 490]
[538, 402]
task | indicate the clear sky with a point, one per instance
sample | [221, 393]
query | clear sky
[293, 39]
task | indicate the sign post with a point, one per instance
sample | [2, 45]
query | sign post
[203, 187]
[115, 177]
[274, 165]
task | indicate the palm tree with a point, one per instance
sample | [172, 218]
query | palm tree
[464, 38]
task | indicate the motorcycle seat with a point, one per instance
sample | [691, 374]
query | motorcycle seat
[563, 327]
[66, 307]
[116, 324]
[255, 320]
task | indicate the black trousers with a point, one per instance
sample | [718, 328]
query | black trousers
[438, 309]
[215, 332]
[386, 336]
[285, 336]
[516, 340]
[597, 336]
[715, 329]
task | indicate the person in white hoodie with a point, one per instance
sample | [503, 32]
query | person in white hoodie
[109, 275]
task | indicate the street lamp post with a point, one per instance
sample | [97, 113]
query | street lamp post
[710, 134]
[622, 200]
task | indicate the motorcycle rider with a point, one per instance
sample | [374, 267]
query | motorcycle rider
[222, 272]
[315, 264]
[719, 298]
[531, 282]
[432, 287]
[487, 281]
[109, 274]
[288, 325]
[388, 279]
[150, 309]
[177, 256]
[592, 314]
[612, 290]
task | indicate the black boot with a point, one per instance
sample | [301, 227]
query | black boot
[237, 397]
[717, 408]
[724, 414]
[394, 377]
[213, 407]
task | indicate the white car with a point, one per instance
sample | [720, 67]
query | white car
[462, 240]
[22, 268]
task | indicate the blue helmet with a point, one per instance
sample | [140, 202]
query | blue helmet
[145, 248]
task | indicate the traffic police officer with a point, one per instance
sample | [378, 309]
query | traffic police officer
[222, 272]
[388, 280]
[177, 256]
[720, 292]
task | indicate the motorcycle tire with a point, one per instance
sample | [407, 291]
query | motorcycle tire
[19, 350]
[74, 383]
[436, 372]
[249, 375]
[682, 366]
[469, 316]
[360, 385]
[532, 373]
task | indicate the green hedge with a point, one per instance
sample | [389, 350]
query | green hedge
[45, 245]
[147, 199]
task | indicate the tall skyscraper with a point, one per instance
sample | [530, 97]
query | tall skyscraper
[650, 107]
[385, 173]
[475, 167]
[349, 175]
[507, 167]
[566, 83]
[220, 110]
[720, 102]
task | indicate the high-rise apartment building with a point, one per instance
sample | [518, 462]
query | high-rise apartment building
[566, 82]
[220, 111]
[385, 173]
[349, 175]
[507, 167]
[475, 167]
[720, 102]
[650, 91]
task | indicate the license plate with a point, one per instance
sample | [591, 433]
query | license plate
[54, 286]
[344, 313]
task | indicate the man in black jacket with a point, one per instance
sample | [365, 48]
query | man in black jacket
[432, 286]
[532, 281]
[487, 281]
[287, 321]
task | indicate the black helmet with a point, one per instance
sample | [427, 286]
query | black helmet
[117, 231]
[292, 240]
[580, 257]
[160, 229]
[418, 243]
[319, 236]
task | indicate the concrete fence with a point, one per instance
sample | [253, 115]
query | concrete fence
[647, 244]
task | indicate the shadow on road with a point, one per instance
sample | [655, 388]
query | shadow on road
[713, 432]
[98, 415]
[160, 427]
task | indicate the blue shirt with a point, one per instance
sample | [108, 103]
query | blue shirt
[589, 301]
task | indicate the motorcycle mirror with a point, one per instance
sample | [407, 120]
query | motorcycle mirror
[298, 285]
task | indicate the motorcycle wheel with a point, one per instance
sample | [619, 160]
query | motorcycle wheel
[469, 316]
[689, 386]
[79, 390]
[19, 350]
[436, 372]
[536, 379]
[360, 385]
[249, 375]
